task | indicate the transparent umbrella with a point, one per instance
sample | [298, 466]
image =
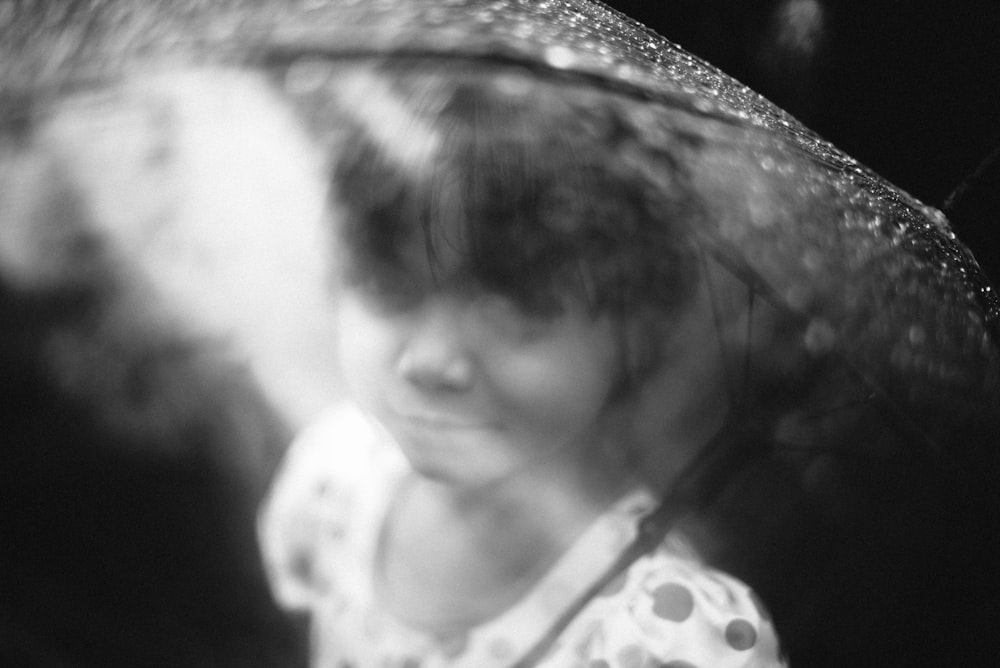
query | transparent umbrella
[854, 481]
[853, 484]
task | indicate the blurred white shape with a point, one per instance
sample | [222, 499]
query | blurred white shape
[799, 26]
[208, 185]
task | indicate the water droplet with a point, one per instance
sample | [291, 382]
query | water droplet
[819, 337]
[560, 57]
[624, 71]
[701, 104]
[917, 335]
[6, 13]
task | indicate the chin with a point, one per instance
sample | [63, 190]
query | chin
[435, 474]
[452, 472]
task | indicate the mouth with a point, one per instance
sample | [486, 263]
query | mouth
[440, 421]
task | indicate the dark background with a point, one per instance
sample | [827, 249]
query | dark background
[911, 89]
[114, 559]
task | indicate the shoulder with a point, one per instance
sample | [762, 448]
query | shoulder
[669, 609]
[329, 455]
[314, 493]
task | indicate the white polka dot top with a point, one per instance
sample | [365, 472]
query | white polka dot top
[318, 536]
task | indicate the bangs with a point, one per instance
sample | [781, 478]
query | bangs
[524, 188]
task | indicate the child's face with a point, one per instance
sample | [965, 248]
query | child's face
[472, 388]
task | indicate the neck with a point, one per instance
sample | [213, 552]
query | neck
[492, 543]
[548, 503]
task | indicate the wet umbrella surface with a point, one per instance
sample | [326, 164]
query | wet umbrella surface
[853, 485]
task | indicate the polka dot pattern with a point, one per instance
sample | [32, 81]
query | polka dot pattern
[631, 656]
[673, 602]
[741, 635]
[668, 610]
[455, 645]
[301, 566]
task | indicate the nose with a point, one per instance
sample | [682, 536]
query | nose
[434, 356]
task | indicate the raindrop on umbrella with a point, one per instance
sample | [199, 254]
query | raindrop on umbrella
[865, 383]
[864, 380]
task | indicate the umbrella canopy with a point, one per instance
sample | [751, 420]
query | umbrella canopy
[865, 380]
[858, 262]
[863, 365]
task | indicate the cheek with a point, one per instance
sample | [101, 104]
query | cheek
[562, 387]
[364, 349]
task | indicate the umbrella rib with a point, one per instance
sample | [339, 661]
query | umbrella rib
[741, 269]
[748, 348]
[282, 56]
[717, 321]
[830, 410]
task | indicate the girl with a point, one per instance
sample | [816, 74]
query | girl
[516, 290]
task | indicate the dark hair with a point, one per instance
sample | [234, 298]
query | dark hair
[518, 184]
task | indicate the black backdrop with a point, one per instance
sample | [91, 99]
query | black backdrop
[111, 559]
[911, 89]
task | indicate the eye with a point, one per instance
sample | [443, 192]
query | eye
[391, 291]
[506, 321]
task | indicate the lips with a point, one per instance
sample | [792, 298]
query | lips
[438, 421]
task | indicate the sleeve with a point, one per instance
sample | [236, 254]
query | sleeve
[309, 500]
[684, 616]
